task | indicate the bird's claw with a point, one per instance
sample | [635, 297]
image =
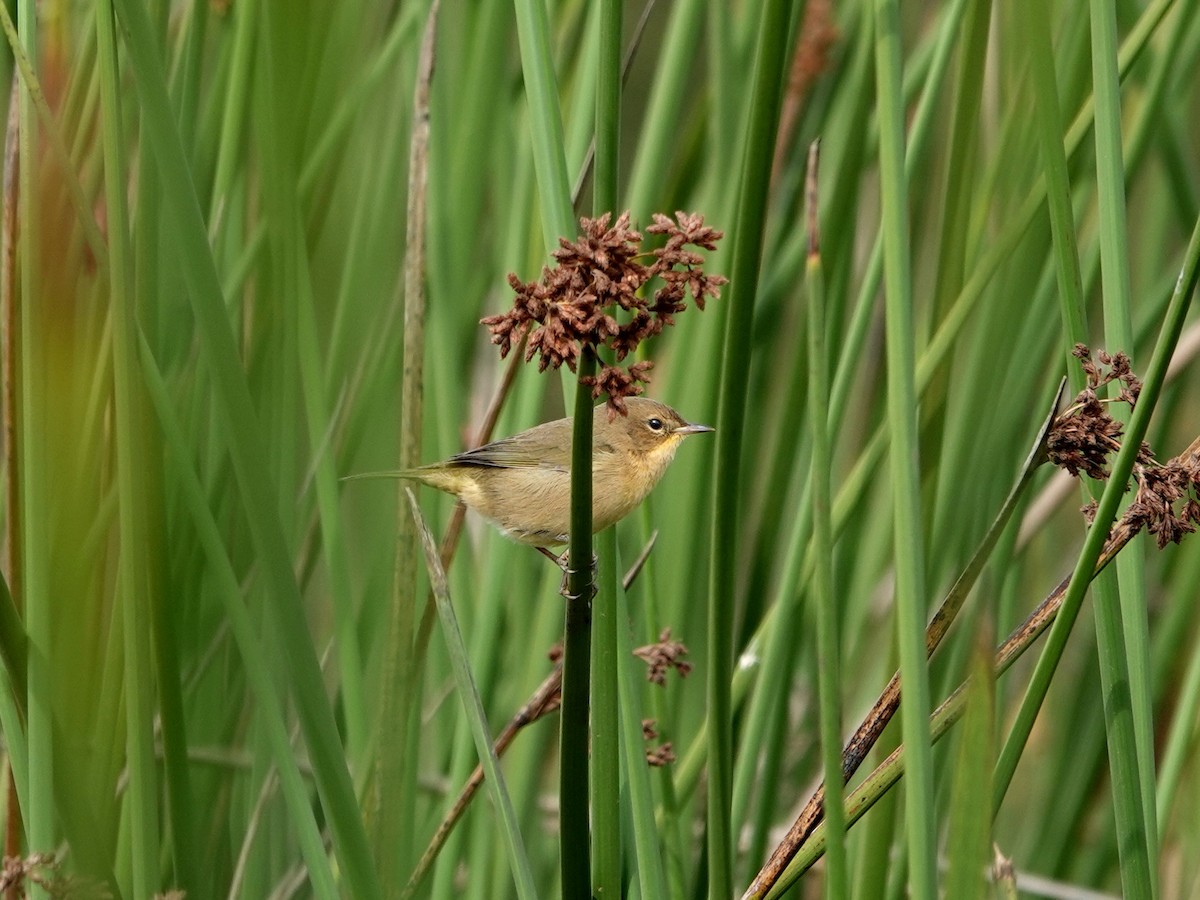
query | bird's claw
[565, 588]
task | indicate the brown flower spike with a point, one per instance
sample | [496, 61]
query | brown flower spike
[595, 296]
[1167, 499]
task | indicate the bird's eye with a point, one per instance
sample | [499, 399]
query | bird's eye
[655, 424]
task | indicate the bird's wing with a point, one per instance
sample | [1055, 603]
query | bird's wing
[552, 441]
[502, 454]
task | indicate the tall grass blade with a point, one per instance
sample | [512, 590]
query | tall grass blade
[1121, 627]
[469, 696]
[752, 203]
[134, 473]
[246, 449]
[1122, 467]
[39, 813]
[904, 454]
[395, 771]
[261, 675]
[969, 835]
[824, 592]
[606, 776]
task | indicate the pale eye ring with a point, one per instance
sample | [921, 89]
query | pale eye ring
[655, 424]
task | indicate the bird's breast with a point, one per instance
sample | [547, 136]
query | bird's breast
[621, 480]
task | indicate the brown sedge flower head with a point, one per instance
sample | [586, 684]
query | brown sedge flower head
[661, 755]
[1084, 435]
[596, 295]
[36, 868]
[1166, 501]
[663, 656]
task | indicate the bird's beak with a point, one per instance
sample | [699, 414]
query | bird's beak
[693, 429]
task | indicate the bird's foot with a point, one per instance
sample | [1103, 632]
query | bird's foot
[563, 562]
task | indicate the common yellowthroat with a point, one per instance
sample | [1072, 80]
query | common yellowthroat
[523, 483]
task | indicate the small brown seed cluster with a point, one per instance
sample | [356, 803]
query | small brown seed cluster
[37, 868]
[1159, 489]
[662, 657]
[664, 753]
[1086, 434]
[595, 296]
[1167, 499]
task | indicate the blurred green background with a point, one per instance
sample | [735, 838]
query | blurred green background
[214, 678]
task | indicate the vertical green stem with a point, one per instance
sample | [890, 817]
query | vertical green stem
[247, 450]
[823, 592]
[606, 736]
[295, 792]
[142, 796]
[648, 838]
[1121, 626]
[902, 421]
[1035, 20]
[1122, 467]
[468, 693]
[608, 110]
[541, 87]
[762, 127]
[664, 108]
[396, 770]
[39, 816]
[1117, 672]
[537, 65]
[577, 650]
[606, 776]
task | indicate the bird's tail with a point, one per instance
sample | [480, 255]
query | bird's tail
[441, 477]
[413, 474]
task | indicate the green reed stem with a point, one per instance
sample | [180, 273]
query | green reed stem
[1122, 630]
[606, 777]
[573, 781]
[920, 812]
[752, 206]
[1122, 467]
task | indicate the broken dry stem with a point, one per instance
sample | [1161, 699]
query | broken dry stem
[885, 707]
[809, 828]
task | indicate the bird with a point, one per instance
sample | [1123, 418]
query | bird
[522, 484]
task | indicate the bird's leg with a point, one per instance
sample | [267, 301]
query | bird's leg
[560, 561]
[563, 562]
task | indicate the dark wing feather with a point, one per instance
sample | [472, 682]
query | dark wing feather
[546, 446]
[503, 454]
